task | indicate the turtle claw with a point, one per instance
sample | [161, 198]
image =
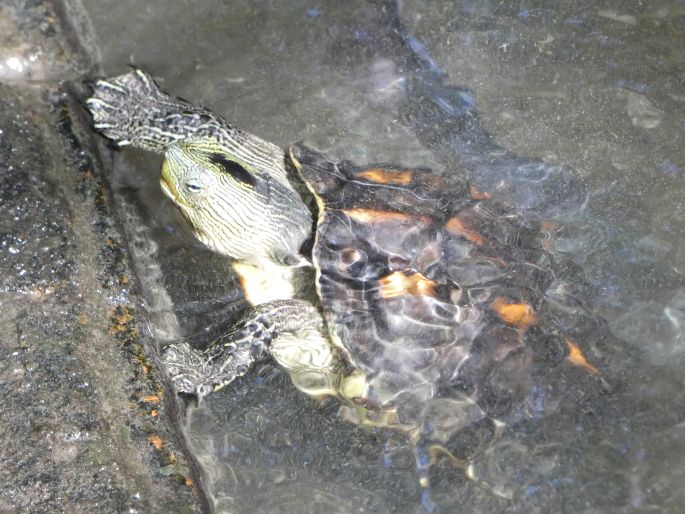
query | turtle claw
[111, 105]
[132, 110]
[201, 373]
[187, 367]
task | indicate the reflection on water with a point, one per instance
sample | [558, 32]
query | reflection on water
[573, 113]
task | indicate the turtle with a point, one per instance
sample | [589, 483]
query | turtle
[416, 300]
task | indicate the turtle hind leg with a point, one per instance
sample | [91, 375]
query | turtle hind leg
[427, 458]
[430, 454]
[290, 331]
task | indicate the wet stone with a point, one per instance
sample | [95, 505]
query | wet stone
[40, 40]
[78, 399]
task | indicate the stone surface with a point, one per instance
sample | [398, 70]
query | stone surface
[83, 420]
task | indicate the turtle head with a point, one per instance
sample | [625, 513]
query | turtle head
[237, 197]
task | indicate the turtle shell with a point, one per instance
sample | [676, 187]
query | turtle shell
[435, 291]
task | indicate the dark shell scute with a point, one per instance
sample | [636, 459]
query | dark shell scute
[438, 293]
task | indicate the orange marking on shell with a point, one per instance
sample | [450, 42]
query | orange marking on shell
[457, 227]
[376, 216]
[399, 283]
[386, 177]
[575, 356]
[475, 194]
[520, 315]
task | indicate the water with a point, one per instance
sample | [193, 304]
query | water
[574, 112]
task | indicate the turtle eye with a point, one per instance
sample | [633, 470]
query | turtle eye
[194, 185]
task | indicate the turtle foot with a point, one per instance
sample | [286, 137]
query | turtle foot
[114, 100]
[132, 110]
[189, 370]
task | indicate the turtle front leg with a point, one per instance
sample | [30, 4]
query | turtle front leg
[291, 331]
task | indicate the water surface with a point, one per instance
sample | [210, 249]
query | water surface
[574, 113]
